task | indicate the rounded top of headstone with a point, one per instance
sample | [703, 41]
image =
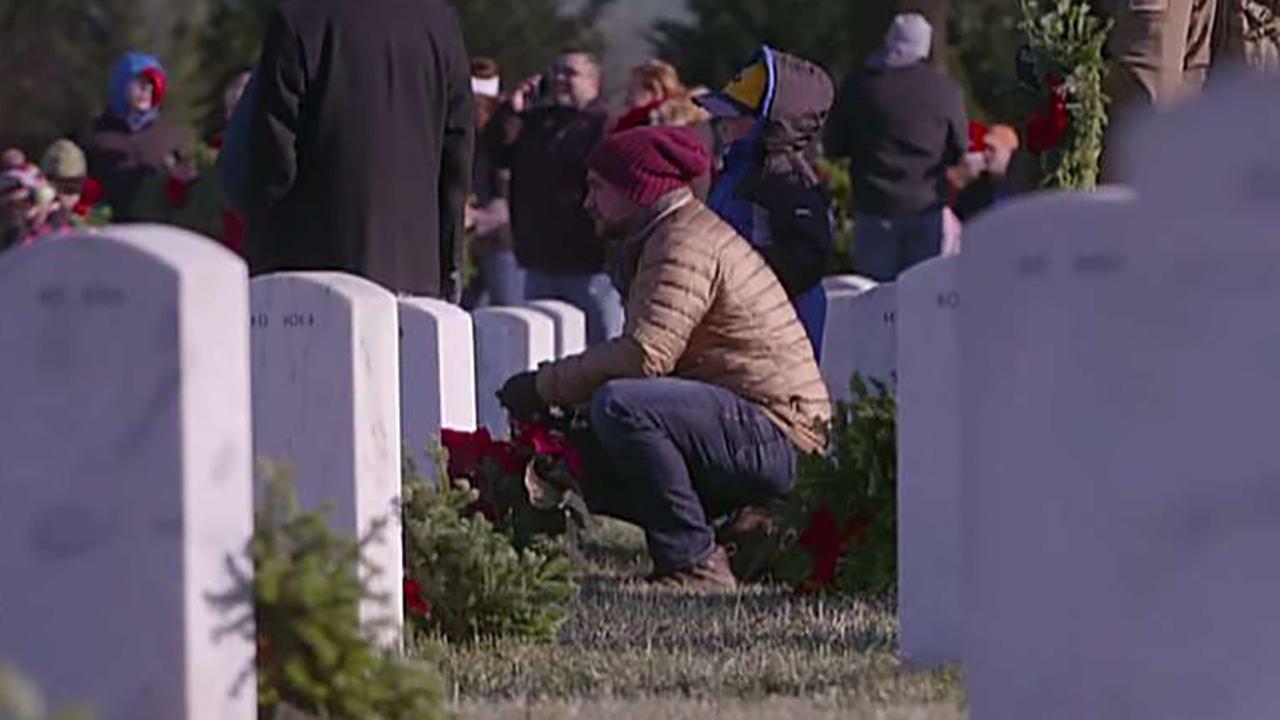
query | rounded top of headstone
[170, 246]
[554, 305]
[1032, 232]
[558, 308]
[929, 270]
[439, 308]
[848, 283]
[1219, 153]
[351, 287]
[505, 317]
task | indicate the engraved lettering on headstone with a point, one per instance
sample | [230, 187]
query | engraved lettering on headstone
[949, 301]
[300, 320]
[259, 320]
[101, 296]
[1100, 263]
[1033, 265]
[52, 296]
[69, 529]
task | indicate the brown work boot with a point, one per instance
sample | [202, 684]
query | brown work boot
[713, 573]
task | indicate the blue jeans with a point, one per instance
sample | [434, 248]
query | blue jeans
[500, 282]
[594, 295]
[883, 249]
[811, 306]
[681, 454]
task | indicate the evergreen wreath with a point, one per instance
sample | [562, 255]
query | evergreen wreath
[1062, 65]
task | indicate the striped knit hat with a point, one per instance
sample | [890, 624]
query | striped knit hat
[648, 162]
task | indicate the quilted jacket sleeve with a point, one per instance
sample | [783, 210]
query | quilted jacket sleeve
[673, 289]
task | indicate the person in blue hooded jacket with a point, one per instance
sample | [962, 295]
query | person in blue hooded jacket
[768, 120]
[130, 140]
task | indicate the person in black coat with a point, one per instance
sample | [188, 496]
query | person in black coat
[903, 124]
[359, 145]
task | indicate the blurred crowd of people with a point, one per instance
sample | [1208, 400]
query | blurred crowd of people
[920, 169]
[524, 233]
[129, 165]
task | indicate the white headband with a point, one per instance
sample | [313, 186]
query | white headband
[491, 87]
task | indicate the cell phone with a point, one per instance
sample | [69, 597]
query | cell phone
[543, 95]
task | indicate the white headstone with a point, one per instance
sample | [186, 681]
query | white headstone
[571, 326]
[1122, 503]
[126, 473]
[929, 561]
[437, 376]
[861, 337]
[856, 283]
[508, 341]
[326, 401]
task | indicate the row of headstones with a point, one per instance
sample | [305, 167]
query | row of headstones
[1089, 494]
[163, 412]
[136, 399]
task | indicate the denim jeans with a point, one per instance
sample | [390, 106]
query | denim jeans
[594, 295]
[883, 249]
[500, 282]
[811, 306]
[680, 455]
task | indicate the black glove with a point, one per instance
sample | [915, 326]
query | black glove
[520, 396]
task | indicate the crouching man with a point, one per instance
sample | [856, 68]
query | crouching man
[706, 401]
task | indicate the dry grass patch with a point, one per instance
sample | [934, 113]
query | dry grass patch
[633, 651]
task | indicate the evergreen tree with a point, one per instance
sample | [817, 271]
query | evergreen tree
[985, 41]
[56, 56]
[523, 35]
[724, 34]
[838, 34]
[230, 41]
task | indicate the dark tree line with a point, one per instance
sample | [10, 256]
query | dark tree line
[975, 39]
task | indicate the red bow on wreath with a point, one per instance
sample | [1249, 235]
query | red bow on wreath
[1047, 129]
[415, 599]
[825, 543]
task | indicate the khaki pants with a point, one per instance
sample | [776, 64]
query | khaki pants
[1249, 31]
[1161, 49]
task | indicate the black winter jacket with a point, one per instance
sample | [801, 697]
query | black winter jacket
[360, 147]
[901, 128]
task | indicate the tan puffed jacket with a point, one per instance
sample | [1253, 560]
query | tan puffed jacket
[704, 306]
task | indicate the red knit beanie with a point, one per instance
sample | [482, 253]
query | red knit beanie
[649, 162]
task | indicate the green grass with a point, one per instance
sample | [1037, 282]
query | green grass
[630, 651]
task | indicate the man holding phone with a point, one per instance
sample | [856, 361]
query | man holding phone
[544, 134]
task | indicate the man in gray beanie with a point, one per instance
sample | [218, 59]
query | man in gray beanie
[902, 123]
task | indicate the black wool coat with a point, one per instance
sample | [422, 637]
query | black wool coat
[360, 145]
